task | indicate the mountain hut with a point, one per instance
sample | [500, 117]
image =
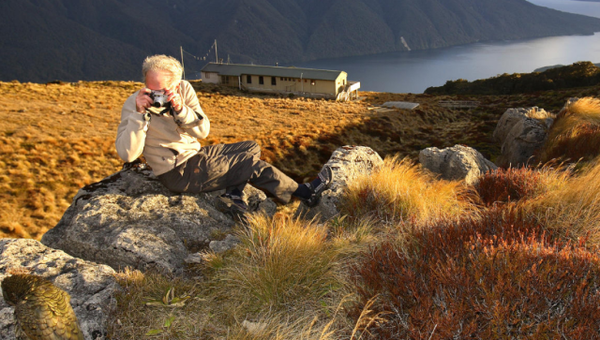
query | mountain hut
[306, 82]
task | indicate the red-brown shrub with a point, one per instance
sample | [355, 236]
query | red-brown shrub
[496, 278]
[511, 184]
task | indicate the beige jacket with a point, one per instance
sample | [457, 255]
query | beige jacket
[165, 141]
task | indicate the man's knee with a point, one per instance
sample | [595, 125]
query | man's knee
[253, 148]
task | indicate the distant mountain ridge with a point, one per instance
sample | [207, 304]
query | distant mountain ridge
[69, 40]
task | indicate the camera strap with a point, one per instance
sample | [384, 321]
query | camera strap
[161, 111]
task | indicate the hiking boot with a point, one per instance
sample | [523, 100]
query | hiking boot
[325, 177]
[234, 202]
[235, 207]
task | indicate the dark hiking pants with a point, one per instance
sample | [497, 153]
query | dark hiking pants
[229, 166]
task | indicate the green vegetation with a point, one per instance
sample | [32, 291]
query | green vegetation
[579, 74]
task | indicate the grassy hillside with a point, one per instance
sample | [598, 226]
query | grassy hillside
[410, 257]
[57, 138]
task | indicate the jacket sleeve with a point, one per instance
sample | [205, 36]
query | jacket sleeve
[131, 134]
[191, 118]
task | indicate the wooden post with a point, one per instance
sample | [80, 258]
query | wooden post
[182, 64]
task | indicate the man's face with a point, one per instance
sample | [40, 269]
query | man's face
[159, 80]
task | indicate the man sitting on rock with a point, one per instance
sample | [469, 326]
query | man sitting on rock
[163, 121]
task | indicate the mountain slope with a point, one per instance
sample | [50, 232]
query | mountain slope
[44, 40]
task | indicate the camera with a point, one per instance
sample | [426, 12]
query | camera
[160, 98]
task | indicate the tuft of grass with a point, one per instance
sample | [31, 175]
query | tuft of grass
[399, 191]
[576, 132]
[573, 210]
[282, 263]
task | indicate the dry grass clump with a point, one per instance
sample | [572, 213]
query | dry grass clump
[399, 191]
[493, 278]
[281, 264]
[575, 134]
[515, 184]
[573, 209]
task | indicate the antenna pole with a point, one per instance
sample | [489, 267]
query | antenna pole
[216, 52]
[182, 65]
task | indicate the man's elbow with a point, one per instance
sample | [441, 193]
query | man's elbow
[126, 156]
[204, 133]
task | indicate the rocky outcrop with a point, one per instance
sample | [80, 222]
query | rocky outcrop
[456, 163]
[520, 132]
[131, 219]
[347, 163]
[91, 286]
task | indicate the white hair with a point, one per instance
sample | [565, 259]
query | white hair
[162, 62]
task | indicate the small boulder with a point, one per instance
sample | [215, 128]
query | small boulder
[131, 219]
[520, 132]
[228, 243]
[347, 163]
[90, 285]
[456, 163]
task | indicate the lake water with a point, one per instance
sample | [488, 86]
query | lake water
[414, 71]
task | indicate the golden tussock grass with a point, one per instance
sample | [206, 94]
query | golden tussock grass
[575, 133]
[51, 144]
[281, 263]
[573, 208]
[399, 191]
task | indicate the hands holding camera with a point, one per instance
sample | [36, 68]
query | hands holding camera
[143, 100]
[158, 98]
[175, 99]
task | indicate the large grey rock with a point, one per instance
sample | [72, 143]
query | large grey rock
[456, 163]
[521, 131]
[131, 219]
[347, 163]
[91, 286]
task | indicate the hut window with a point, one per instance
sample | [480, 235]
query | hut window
[261, 80]
[273, 80]
[249, 79]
